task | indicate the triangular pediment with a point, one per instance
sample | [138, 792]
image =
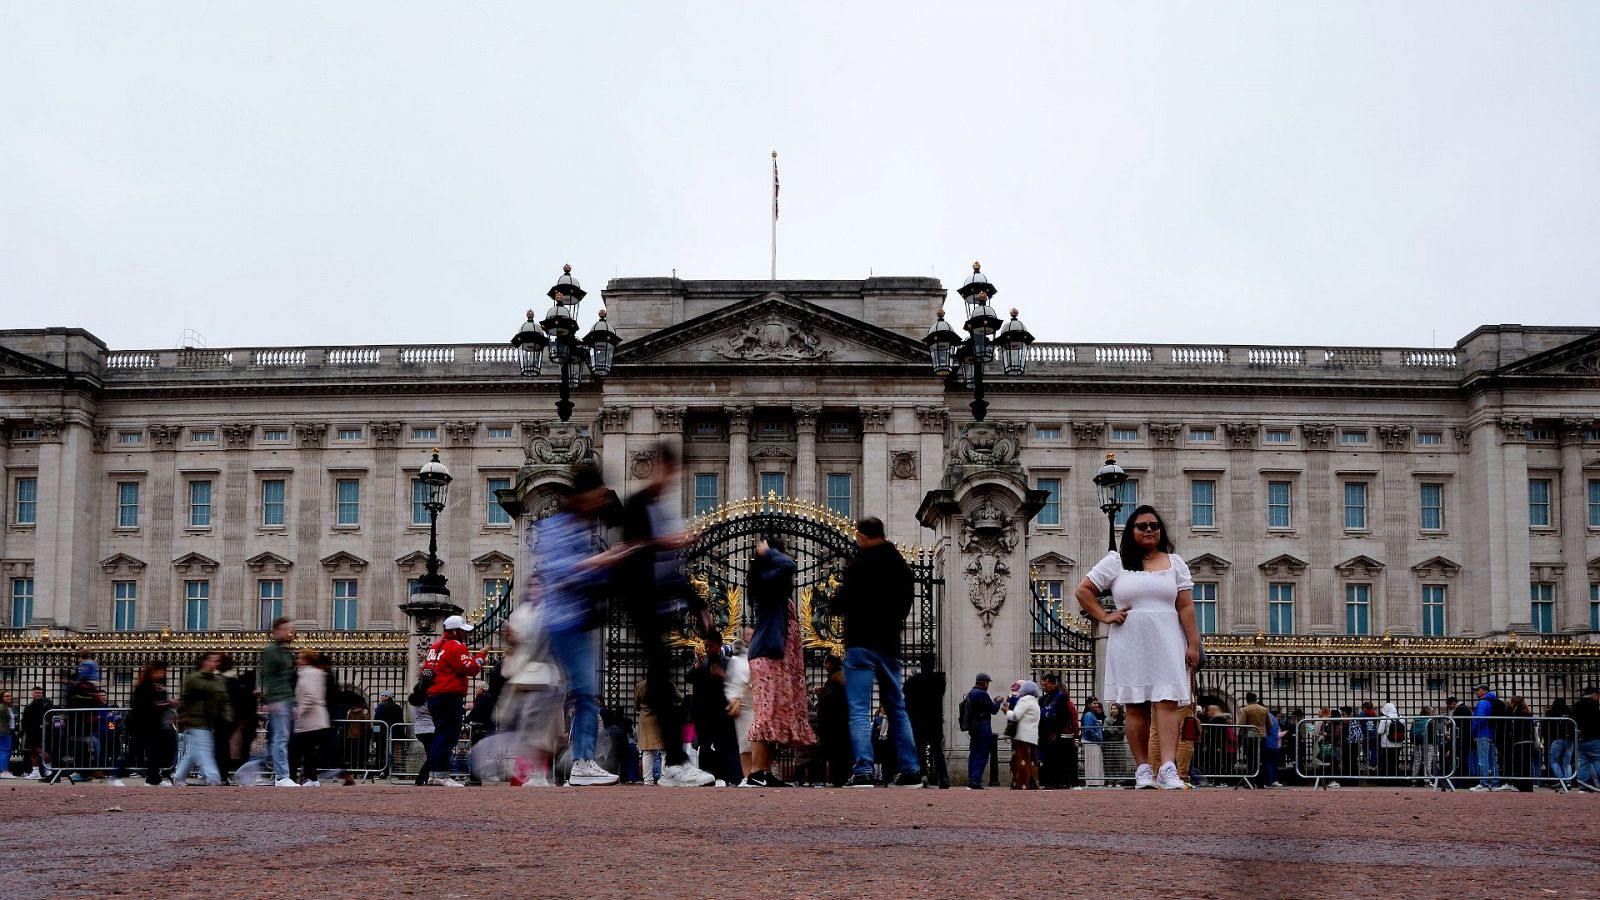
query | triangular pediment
[772, 329]
[416, 560]
[1053, 563]
[343, 559]
[1359, 565]
[192, 562]
[1436, 567]
[1208, 564]
[493, 561]
[1284, 564]
[268, 562]
[1579, 358]
[20, 365]
[122, 562]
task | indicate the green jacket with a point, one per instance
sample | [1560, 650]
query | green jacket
[205, 701]
[277, 673]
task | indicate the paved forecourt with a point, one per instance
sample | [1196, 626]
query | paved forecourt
[644, 841]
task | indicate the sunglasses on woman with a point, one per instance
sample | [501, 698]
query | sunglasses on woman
[1147, 526]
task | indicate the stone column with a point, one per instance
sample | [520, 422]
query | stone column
[315, 491]
[875, 461]
[233, 590]
[614, 422]
[1572, 600]
[1396, 602]
[1510, 549]
[669, 420]
[805, 460]
[934, 421]
[1314, 529]
[1244, 604]
[166, 598]
[738, 451]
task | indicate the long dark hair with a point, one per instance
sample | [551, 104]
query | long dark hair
[1132, 553]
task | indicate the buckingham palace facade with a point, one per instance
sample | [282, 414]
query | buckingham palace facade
[1313, 490]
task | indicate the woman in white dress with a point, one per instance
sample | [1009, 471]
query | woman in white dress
[1154, 642]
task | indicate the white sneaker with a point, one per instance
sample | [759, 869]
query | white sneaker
[312, 783]
[1333, 784]
[685, 775]
[1505, 787]
[33, 776]
[116, 782]
[166, 782]
[1481, 788]
[1167, 779]
[286, 782]
[7, 774]
[587, 772]
[1144, 778]
[744, 782]
[536, 779]
[442, 782]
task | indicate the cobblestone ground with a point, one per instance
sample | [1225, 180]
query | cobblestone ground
[652, 842]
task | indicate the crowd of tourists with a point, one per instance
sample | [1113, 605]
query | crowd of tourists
[537, 720]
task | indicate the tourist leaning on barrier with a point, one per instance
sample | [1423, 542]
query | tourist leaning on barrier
[201, 707]
[1424, 752]
[1558, 741]
[277, 694]
[1485, 737]
[1391, 740]
[1586, 713]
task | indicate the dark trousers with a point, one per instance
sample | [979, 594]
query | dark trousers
[651, 629]
[446, 710]
[1058, 762]
[426, 740]
[152, 751]
[305, 752]
[994, 759]
[930, 751]
[979, 742]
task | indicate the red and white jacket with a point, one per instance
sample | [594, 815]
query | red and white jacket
[452, 666]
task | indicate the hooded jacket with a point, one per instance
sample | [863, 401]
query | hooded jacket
[1026, 715]
[1386, 724]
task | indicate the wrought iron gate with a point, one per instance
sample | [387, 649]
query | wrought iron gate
[821, 543]
[1063, 644]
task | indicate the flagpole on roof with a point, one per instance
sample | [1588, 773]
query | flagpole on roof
[774, 215]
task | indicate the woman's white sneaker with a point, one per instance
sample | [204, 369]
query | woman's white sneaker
[685, 775]
[1144, 777]
[1167, 779]
[587, 772]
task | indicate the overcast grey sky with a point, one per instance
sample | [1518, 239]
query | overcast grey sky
[344, 172]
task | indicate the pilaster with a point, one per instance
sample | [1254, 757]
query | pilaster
[875, 461]
[1572, 601]
[805, 463]
[738, 451]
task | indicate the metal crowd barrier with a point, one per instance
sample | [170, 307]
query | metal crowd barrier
[83, 741]
[1228, 752]
[408, 755]
[1507, 751]
[1443, 752]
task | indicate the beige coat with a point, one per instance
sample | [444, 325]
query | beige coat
[649, 727]
[311, 700]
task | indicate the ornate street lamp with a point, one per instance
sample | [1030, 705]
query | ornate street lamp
[436, 478]
[1110, 480]
[955, 359]
[557, 332]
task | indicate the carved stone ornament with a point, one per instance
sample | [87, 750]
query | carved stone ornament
[1587, 366]
[1317, 435]
[162, 437]
[670, 418]
[774, 339]
[312, 435]
[1574, 430]
[641, 464]
[1165, 434]
[49, 428]
[988, 535]
[613, 419]
[1515, 429]
[738, 418]
[805, 416]
[986, 444]
[547, 507]
[461, 433]
[102, 434]
[1089, 434]
[903, 464]
[384, 434]
[875, 418]
[771, 452]
[933, 418]
[556, 443]
[1394, 437]
[237, 436]
[1241, 435]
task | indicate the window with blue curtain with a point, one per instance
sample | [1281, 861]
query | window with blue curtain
[21, 602]
[344, 604]
[419, 502]
[1279, 505]
[1358, 609]
[127, 504]
[1050, 513]
[124, 605]
[1128, 496]
[1433, 612]
[1205, 606]
[495, 513]
[772, 483]
[1280, 608]
[269, 602]
[197, 605]
[1355, 506]
[707, 492]
[1594, 503]
[349, 501]
[1539, 503]
[1432, 497]
[839, 493]
[199, 504]
[27, 509]
[1594, 606]
[1203, 503]
[1543, 596]
[272, 499]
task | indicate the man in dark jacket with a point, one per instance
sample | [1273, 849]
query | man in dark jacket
[277, 696]
[1586, 715]
[33, 734]
[925, 707]
[981, 708]
[1058, 735]
[875, 599]
[390, 714]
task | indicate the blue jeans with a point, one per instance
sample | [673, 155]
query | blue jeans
[1561, 759]
[978, 741]
[1589, 762]
[280, 725]
[1488, 765]
[5, 753]
[861, 668]
[446, 710]
[198, 748]
[574, 650]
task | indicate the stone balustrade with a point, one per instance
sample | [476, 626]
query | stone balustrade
[1060, 356]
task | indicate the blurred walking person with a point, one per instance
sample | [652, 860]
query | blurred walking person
[277, 694]
[201, 707]
[148, 736]
[422, 733]
[530, 709]
[657, 591]
[452, 666]
[925, 707]
[777, 662]
[875, 599]
[312, 724]
[33, 716]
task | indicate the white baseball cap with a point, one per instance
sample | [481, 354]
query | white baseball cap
[456, 622]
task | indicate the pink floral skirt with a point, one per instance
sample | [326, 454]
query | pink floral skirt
[778, 687]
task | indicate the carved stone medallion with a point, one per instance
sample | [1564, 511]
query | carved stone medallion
[774, 339]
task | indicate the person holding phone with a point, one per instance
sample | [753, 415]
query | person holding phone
[453, 666]
[1154, 641]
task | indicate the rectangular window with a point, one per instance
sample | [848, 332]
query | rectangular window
[27, 510]
[1283, 682]
[1594, 503]
[21, 602]
[1203, 503]
[1543, 597]
[1433, 597]
[130, 437]
[348, 501]
[344, 604]
[203, 437]
[492, 589]
[1432, 507]
[1124, 434]
[1539, 503]
[197, 605]
[840, 429]
[199, 504]
[1360, 683]
[1205, 606]
[1355, 506]
[773, 427]
[349, 434]
[1128, 498]
[496, 514]
[1358, 609]
[705, 429]
[1048, 432]
[1353, 437]
[1430, 438]
[707, 492]
[424, 434]
[269, 602]
[275, 435]
[1280, 608]
[26, 434]
[1279, 436]
[500, 432]
[419, 502]
[272, 499]
[1594, 606]
[772, 484]
[413, 585]
[1279, 505]
[1050, 591]
[1202, 435]
[1539, 434]
[839, 493]
[124, 603]
[127, 504]
[1050, 513]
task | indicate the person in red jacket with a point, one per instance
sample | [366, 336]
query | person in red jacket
[453, 667]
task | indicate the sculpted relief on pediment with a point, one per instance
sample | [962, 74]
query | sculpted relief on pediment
[773, 338]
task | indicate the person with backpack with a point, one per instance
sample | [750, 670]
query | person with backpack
[1391, 740]
[452, 666]
[975, 712]
[1487, 714]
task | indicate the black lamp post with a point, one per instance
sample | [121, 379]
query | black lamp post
[965, 360]
[1109, 479]
[436, 478]
[558, 332]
